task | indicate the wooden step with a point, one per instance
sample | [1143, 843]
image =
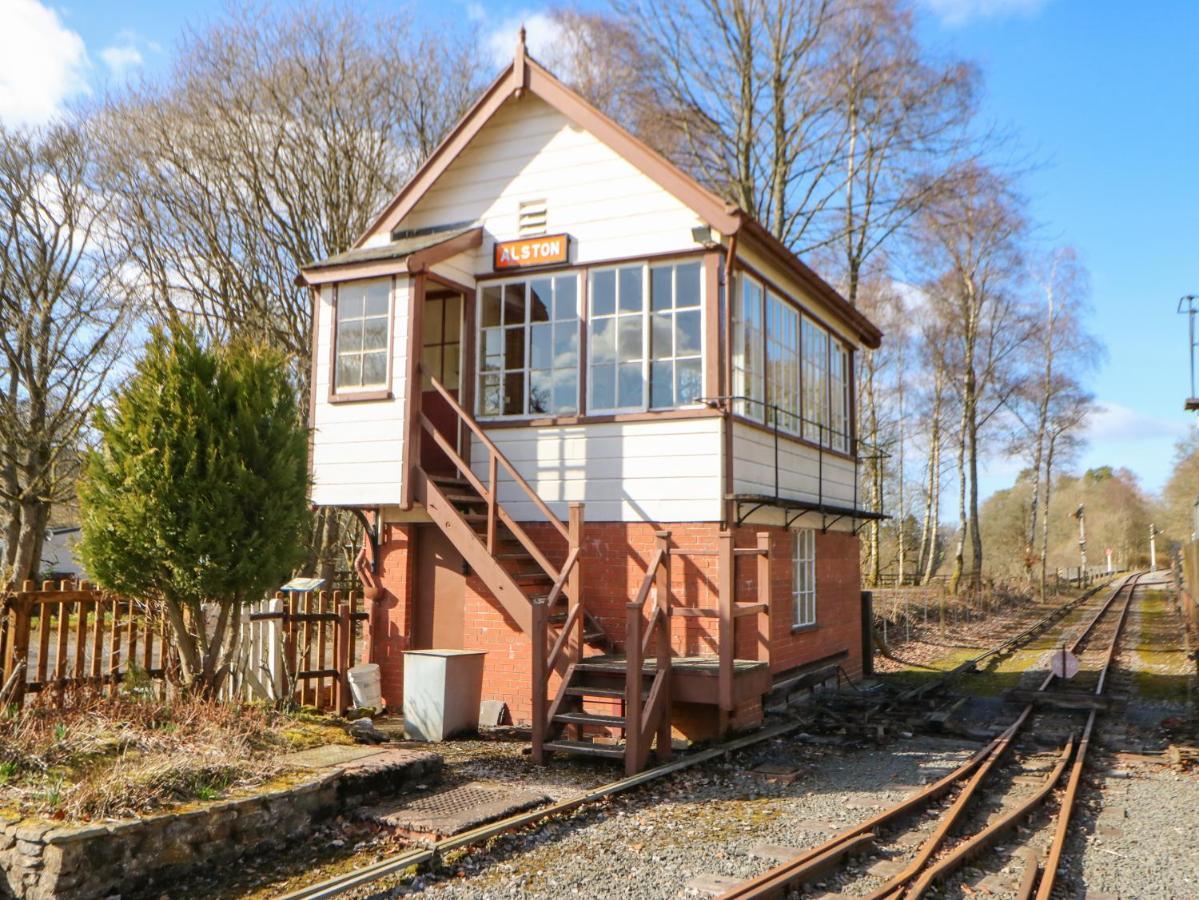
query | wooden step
[531, 578]
[449, 481]
[586, 748]
[586, 718]
[586, 690]
[472, 499]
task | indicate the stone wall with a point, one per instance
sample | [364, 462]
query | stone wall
[44, 859]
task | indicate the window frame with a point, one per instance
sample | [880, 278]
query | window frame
[803, 595]
[372, 391]
[526, 278]
[806, 433]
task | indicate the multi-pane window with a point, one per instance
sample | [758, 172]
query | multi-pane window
[803, 586]
[748, 370]
[363, 334]
[441, 343]
[790, 367]
[616, 344]
[554, 345]
[676, 341]
[528, 347]
[782, 363]
[839, 387]
[815, 381]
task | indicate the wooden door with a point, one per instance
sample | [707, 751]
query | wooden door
[441, 354]
[440, 592]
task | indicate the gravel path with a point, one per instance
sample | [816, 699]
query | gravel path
[720, 819]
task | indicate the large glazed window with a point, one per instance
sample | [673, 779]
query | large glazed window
[788, 368]
[782, 363]
[616, 343]
[676, 335]
[815, 381]
[839, 387]
[529, 347]
[363, 335]
[749, 373]
[803, 586]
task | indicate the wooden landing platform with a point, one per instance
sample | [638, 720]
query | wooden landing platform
[694, 679]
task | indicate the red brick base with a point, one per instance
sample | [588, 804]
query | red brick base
[613, 565]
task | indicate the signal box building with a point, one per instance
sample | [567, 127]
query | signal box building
[601, 425]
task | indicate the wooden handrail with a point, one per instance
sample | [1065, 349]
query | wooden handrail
[511, 524]
[474, 426]
[572, 618]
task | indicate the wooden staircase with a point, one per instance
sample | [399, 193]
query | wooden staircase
[525, 575]
[623, 700]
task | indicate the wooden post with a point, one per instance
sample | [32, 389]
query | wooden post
[492, 499]
[664, 749]
[114, 647]
[79, 669]
[540, 691]
[19, 622]
[634, 739]
[574, 582]
[765, 595]
[274, 647]
[727, 581]
[60, 650]
[344, 624]
[98, 643]
[290, 642]
[867, 633]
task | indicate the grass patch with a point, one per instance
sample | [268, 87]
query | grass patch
[105, 758]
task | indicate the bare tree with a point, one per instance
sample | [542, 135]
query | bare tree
[742, 86]
[1062, 352]
[901, 126]
[62, 321]
[973, 237]
[273, 141]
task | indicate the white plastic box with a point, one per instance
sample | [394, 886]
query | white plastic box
[442, 689]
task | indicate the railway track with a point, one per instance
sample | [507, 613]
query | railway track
[939, 853]
[826, 858]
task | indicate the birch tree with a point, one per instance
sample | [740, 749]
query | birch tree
[63, 318]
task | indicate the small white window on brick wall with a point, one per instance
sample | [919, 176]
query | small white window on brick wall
[532, 217]
[803, 586]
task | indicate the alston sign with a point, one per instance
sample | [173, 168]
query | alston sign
[547, 250]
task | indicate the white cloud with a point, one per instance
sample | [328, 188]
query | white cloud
[959, 12]
[121, 59]
[42, 63]
[542, 36]
[1113, 423]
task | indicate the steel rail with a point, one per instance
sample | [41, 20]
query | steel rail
[802, 867]
[983, 839]
[1066, 809]
[417, 857]
[1007, 646]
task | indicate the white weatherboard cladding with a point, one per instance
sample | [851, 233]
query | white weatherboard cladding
[665, 470]
[358, 448]
[800, 468]
[530, 151]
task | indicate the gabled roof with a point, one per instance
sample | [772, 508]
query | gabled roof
[409, 253]
[526, 74]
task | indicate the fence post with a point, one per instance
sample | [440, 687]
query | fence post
[765, 595]
[273, 639]
[344, 624]
[867, 633]
[727, 579]
[18, 648]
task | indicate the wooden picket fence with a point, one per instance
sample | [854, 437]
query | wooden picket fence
[65, 637]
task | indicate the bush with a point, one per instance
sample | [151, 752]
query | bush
[196, 496]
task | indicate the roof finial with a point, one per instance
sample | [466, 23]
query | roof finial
[520, 70]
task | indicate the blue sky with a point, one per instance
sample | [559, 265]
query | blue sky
[1103, 98]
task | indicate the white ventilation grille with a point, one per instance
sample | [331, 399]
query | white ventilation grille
[532, 218]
